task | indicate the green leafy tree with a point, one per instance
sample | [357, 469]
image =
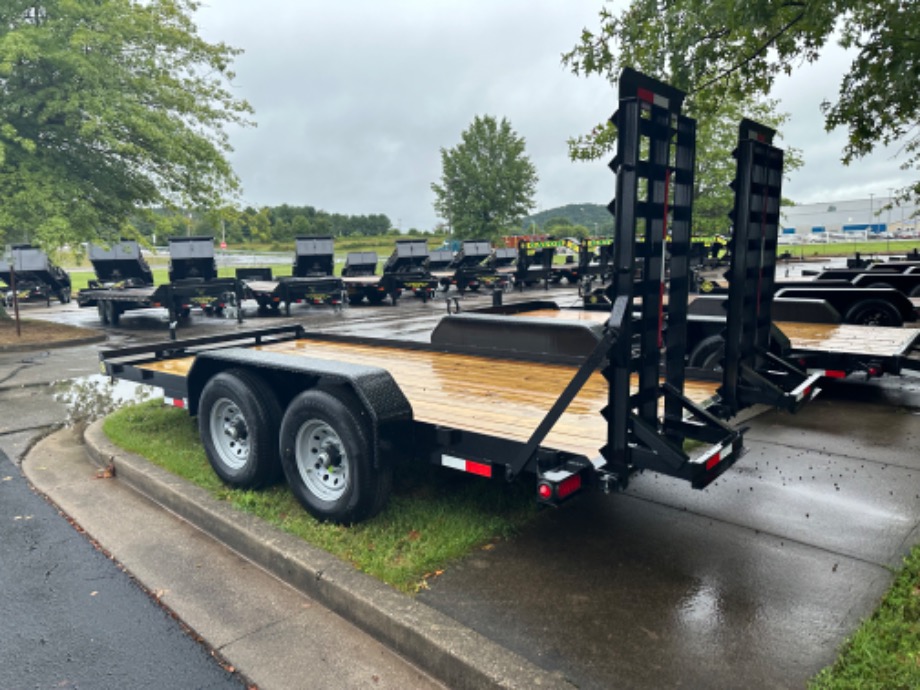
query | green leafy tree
[728, 51]
[109, 106]
[487, 181]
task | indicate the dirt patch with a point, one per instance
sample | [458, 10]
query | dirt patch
[35, 333]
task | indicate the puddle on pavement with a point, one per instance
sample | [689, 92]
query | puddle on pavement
[89, 398]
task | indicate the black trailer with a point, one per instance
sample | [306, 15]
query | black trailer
[312, 279]
[193, 282]
[406, 269]
[31, 276]
[534, 263]
[589, 261]
[328, 411]
[469, 269]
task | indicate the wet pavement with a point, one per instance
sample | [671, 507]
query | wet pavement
[754, 582]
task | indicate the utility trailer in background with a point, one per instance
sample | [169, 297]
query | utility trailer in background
[31, 276]
[312, 279]
[469, 270]
[591, 261]
[534, 263]
[193, 282]
[327, 411]
[405, 269]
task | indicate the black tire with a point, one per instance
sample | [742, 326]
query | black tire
[326, 457]
[708, 354]
[376, 298]
[916, 291]
[64, 296]
[874, 312]
[185, 312]
[115, 313]
[355, 300]
[111, 313]
[238, 423]
[103, 313]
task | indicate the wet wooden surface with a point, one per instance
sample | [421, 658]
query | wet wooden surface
[836, 338]
[500, 397]
[848, 339]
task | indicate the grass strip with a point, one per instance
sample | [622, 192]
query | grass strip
[884, 653]
[433, 518]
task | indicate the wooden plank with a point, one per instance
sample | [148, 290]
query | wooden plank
[499, 397]
[849, 339]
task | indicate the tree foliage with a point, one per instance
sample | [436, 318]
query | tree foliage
[109, 106]
[724, 50]
[487, 181]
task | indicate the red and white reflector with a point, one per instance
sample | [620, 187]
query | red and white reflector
[470, 466]
[181, 403]
[651, 97]
[714, 456]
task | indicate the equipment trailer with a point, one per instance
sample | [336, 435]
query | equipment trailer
[405, 269]
[468, 269]
[311, 280]
[192, 275]
[31, 276]
[327, 411]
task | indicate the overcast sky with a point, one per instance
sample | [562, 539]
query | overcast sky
[354, 100]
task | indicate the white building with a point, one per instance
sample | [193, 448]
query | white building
[865, 217]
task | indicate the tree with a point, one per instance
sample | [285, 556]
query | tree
[109, 106]
[724, 50]
[487, 181]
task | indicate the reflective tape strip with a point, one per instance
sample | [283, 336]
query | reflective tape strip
[479, 468]
[650, 97]
[176, 402]
[714, 456]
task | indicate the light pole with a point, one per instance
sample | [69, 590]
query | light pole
[888, 226]
[871, 209]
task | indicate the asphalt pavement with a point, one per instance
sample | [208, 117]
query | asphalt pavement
[754, 582]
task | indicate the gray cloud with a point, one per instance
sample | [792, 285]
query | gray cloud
[354, 100]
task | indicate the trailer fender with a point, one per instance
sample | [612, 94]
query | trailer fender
[374, 389]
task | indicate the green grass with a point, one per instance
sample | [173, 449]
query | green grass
[884, 654]
[434, 516]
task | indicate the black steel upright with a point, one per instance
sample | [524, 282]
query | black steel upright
[654, 169]
[751, 374]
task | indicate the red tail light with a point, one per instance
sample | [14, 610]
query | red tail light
[569, 486]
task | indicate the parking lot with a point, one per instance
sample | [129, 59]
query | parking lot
[754, 582]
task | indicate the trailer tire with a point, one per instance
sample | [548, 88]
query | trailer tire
[874, 312]
[238, 423]
[708, 354]
[326, 457]
[114, 314]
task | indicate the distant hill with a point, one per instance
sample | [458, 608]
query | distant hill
[593, 216]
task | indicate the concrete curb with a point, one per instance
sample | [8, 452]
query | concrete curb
[75, 342]
[454, 654]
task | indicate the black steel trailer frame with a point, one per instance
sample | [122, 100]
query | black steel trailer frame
[193, 284]
[32, 277]
[651, 427]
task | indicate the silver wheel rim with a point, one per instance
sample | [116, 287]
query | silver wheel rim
[230, 434]
[321, 460]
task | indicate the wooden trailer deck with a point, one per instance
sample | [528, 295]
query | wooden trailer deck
[813, 337]
[499, 397]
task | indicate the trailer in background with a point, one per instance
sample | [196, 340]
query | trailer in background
[312, 280]
[31, 276]
[193, 283]
[469, 269]
[406, 269]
